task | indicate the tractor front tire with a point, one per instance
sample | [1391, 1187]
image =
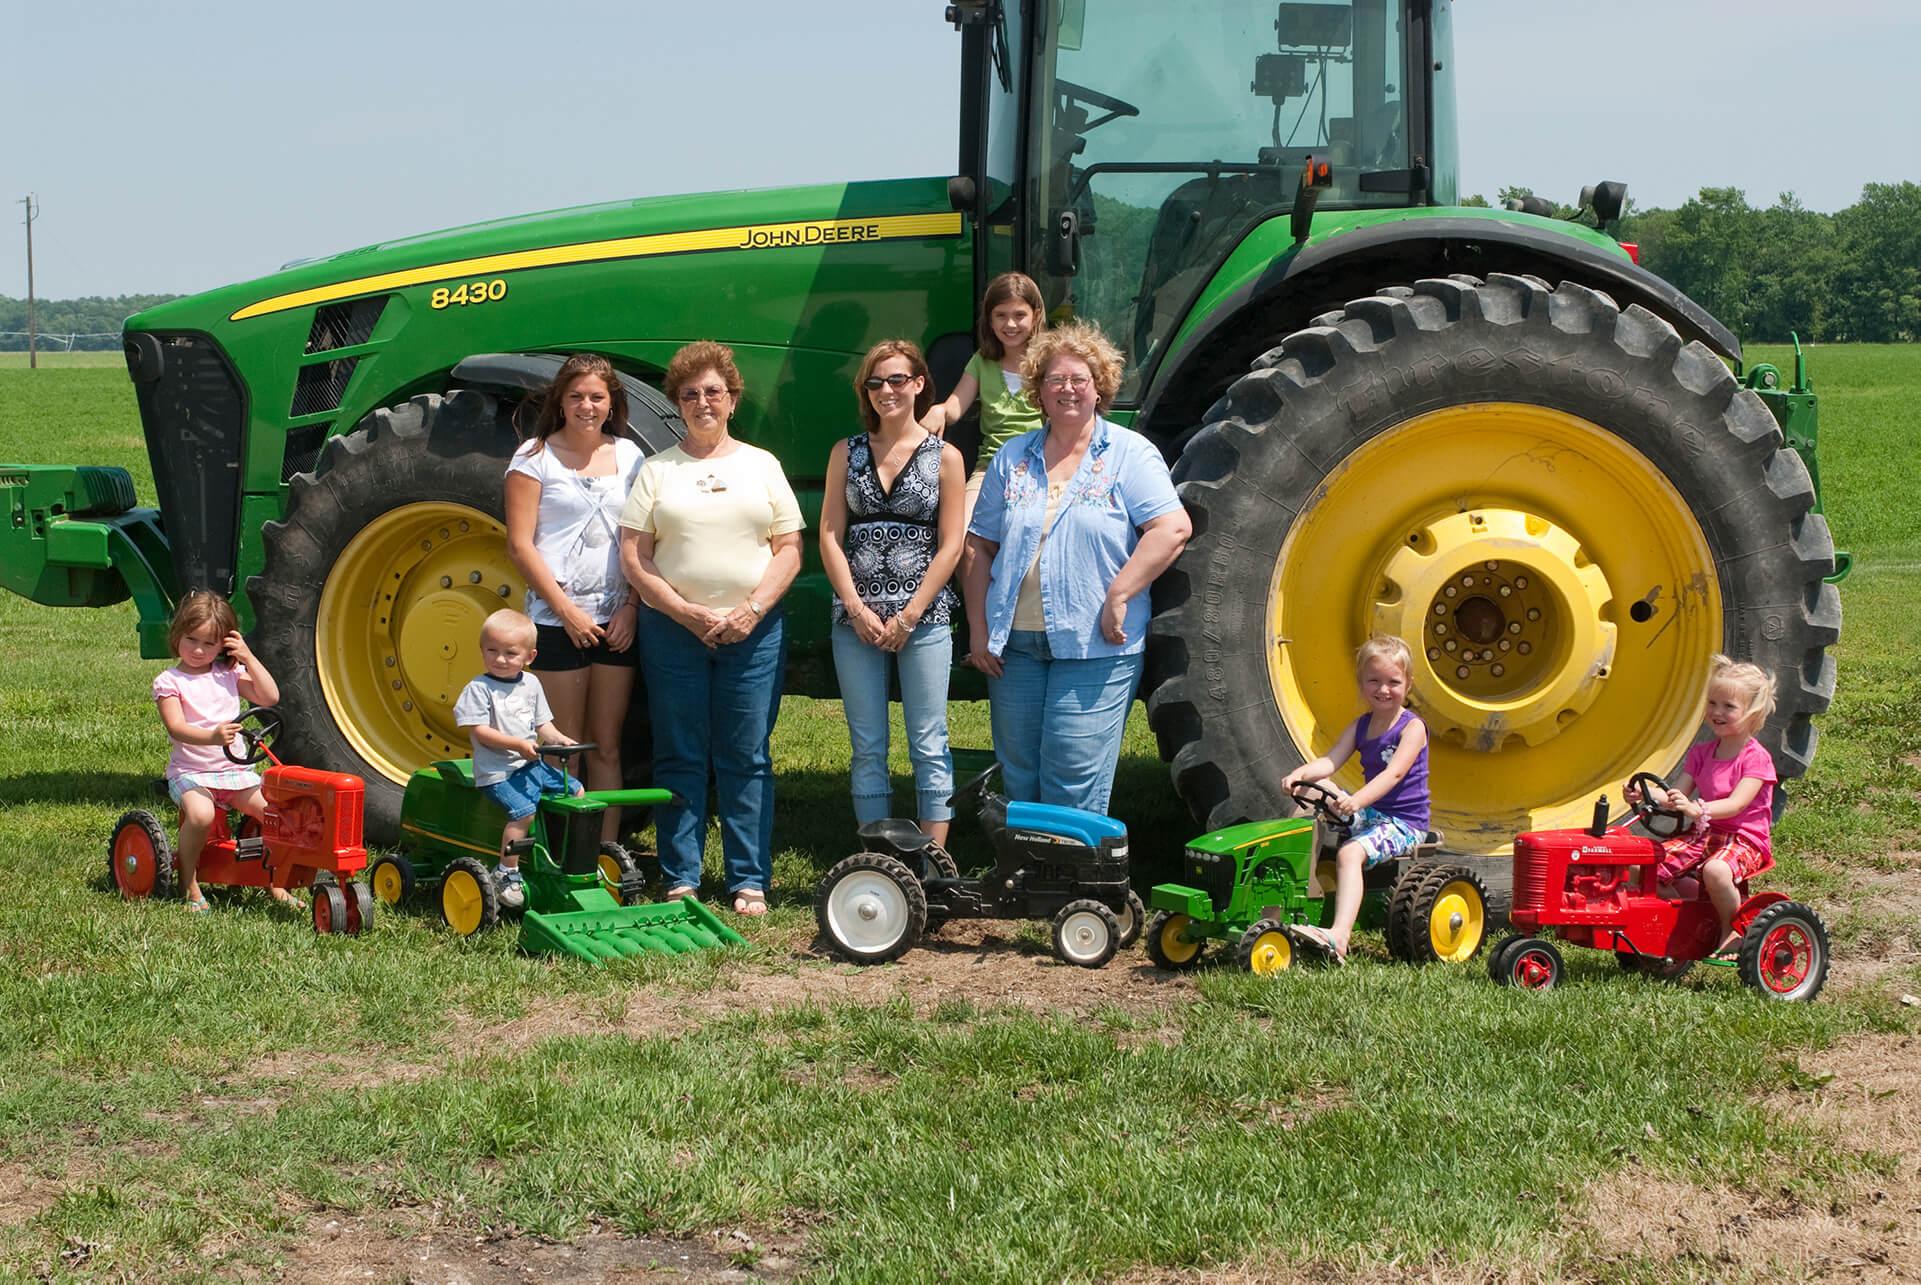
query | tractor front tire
[369, 604]
[139, 858]
[1168, 943]
[1086, 933]
[1265, 949]
[1562, 507]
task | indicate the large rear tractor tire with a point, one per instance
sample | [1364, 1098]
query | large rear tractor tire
[1562, 507]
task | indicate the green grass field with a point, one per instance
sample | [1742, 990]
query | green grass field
[229, 1096]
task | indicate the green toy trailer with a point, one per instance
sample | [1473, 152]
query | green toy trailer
[1250, 882]
[583, 895]
[1489, 431]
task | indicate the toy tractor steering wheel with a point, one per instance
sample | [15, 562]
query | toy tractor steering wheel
[1318, 799]
[973, 787]
[1647, 813]
[557, 750]
[253, 740]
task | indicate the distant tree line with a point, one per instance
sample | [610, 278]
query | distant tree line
[1853, 276]
[94, 320]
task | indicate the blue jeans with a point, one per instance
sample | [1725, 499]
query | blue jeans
[1058, 723]
[925, 663]
[714, 708]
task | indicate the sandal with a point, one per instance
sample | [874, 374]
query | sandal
[681, 893]
[750, 902]
[1317, 942]
[197, 905]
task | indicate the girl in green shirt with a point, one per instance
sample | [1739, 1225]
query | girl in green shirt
[1010, 315]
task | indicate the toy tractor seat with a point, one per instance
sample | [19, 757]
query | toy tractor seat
[894, 836]
[456, 771]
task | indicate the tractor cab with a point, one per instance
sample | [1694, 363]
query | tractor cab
[1124, 147]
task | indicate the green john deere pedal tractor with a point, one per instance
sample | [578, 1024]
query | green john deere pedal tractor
[1489, 431]
[584, 897]
[1247, 884]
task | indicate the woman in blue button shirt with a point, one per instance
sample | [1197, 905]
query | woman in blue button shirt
[1075, 521]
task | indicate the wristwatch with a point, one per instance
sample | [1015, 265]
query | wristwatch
[756, 608]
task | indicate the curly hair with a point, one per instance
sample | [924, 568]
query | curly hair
[553, 410]
[1756, 685]
[1082, 339]
[908, 351]
[699, 357]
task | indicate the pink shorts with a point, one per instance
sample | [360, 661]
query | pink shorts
[1687, 853]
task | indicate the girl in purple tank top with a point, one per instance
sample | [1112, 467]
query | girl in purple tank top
[1390, 811]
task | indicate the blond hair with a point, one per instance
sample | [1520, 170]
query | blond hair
[1081, 339]
[508, 625]
[1755, 684]
[1384, 647]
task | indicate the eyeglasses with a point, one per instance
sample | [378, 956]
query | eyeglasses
[1079, 383]
[689, 396]
[892, 381]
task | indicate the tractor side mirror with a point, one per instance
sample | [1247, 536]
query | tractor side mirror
[1316, 177]
[1064, 246]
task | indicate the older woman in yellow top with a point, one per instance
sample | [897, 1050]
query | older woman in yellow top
[711, 542]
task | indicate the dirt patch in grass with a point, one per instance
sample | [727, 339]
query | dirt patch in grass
[24, 1195]
[1868, 1227]
[1885, 908]
[984, 965]
[397, 1248]
[300, 1071]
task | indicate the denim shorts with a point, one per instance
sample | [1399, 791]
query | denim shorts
[520, 793]
[557, 654]
[1382, 837]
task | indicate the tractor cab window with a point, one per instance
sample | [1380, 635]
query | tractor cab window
[1163, 132]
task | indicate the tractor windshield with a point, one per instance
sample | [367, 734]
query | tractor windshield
[1162, 132]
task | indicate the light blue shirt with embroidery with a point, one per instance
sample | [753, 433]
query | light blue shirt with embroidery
[1121, 485]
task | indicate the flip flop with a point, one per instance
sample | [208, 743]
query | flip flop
[750, 903]
[1317, 942]
[197, 906]
[681, 893]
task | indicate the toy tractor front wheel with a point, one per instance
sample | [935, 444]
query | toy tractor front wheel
[469, 901]
[1264, 949]
[1560, 505]
[1784, 952]
[1086, 933]
[392, 879]
[1531, 963]
[139, 858]
[870, 908]
[329, 909]
[1170, 943]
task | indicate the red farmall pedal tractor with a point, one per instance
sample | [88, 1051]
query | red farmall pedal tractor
[312, 827]
[1597, 888]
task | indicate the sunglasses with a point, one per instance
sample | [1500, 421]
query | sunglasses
[873, 382]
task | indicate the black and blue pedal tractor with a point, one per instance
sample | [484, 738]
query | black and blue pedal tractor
[1054, 863]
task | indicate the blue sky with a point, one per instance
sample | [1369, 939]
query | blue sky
[178, 146]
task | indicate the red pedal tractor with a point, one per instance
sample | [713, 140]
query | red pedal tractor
[1597, 887]
[312, 827]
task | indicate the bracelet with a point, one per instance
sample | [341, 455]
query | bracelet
[756, 608]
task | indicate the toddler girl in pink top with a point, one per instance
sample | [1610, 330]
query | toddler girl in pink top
[1731, 778]
[199, 699]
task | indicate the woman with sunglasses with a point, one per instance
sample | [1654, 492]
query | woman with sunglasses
[711, 541]
[891, 528]
[1075, 521]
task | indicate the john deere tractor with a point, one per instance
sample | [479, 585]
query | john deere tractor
[1486, 430]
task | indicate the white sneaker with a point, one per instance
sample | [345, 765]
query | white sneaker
[513, 890]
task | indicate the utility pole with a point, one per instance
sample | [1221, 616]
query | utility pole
[33, 325]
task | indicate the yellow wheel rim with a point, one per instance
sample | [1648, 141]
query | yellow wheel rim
[462, 903]
[397, 630]
[388, 885]
[1272, 953]
[1173, 947]
[1455, 925]
[1558, 595]
[610, 877]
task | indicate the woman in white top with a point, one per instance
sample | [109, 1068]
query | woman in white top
[565, 489]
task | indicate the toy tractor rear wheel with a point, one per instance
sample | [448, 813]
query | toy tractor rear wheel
[1132, 921]
[1169, 944]
[870, 908]
[1264, 949]
[620, 874]
[1559, 504]
[329, 909]
[1445, 915]
[1400, 909]
[392, 879]
[469, 901]
[1784, 952]
[1532, 964]
[139, 858]
[940, 865]
[1086, 933]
